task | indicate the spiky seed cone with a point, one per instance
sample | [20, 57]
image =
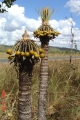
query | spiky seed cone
[25, 44]
[42, 55]
[36, 55]
[31, 52]
[22, 54]
[9, 51]
[41, 50]
[45, 30]
[10, 57]
[17, 53]
[27, 54]
[24, 50]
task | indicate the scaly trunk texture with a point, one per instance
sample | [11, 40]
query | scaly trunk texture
[24, 100]
[43, 81]
[24, 95]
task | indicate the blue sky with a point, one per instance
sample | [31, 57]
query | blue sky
[22, 15]
[60, 9]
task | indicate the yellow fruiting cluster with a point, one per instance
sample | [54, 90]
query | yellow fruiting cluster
[9, 51]
[27, 54]
[39, 33]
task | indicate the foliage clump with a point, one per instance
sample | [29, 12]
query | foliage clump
[45, 30]
[25, 51]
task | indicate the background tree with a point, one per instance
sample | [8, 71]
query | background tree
[24, 55]
[8, 4]
[72, 38]
[45, 33]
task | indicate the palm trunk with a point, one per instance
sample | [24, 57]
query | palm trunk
[24, 96]
[43, 82]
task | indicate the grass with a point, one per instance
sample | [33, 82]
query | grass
[63, 102]
[8, 82]
[3, 55]
[63, 91]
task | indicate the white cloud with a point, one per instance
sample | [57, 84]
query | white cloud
[54, 24]
[74, 6]
[16, 11]
[64, 39]
[67, 22]
[14, 22]
[32, 24]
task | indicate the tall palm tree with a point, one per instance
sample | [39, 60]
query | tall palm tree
[24, 55]
[45, 33]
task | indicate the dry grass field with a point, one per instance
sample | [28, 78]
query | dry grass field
[63, 102]
[3, 55]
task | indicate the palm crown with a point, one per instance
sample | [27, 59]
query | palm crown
[45, 30]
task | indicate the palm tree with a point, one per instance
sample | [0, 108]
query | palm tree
[24, 56]
[45, 33]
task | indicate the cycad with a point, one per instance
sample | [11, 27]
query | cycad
[23, 46]
[45, 30]
[45, 33]
[24, 63]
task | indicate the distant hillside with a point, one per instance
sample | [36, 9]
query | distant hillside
[3, 48]
[61, 50]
